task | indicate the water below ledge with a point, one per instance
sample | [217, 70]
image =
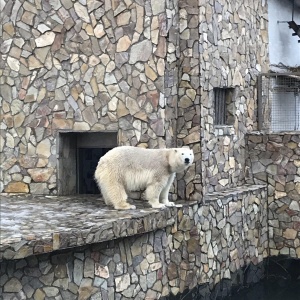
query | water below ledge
[280, 281]
[270, 289]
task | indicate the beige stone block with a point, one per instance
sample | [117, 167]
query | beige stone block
[81, 11]
[89, 29]
[41, 94]
[123, 43]
[279, 195]
[40, 174]
[8, 118]
[122, 110]
[13, 63]
[297, 163]
[142, 116]
[161, 67]
[274, 252]
[45, 39]
[62, 124]
[84, 68]
[290, 234]
[154, 36]
[112, 89]
[10, 142]
[28, 18]
[99, 31]
[132, 105]
[292, 145]
[94, 85]
[124, 18]
[42, 162]
[194, 137]
[223, 182]
[140, 19]
[34, 63]
[39, 295]
[43, 149]
[17, 187]
[81, 126]
[191, 93]
[231, 162]
[161, 49]
[150, 73]
[9, 28]
[93, 61]
[185, 102]
[19, 119]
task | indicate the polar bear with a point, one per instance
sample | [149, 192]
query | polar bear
[126, 168]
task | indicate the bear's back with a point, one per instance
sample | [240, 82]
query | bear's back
[128, 156]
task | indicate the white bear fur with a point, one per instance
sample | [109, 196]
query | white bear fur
[125, 169]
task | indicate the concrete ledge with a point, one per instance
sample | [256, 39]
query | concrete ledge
[32, 225]
[40, 224]
[233, 193]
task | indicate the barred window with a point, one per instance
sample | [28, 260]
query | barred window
[224, 106]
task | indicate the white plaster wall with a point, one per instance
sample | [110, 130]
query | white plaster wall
[283, 47]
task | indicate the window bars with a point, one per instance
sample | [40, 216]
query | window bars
[220, 106]
[224, 106]
[279, 102]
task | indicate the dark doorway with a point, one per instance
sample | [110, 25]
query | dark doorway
[87, 162]
[79, 153]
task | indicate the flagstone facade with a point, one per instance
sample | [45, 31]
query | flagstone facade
[144, 70]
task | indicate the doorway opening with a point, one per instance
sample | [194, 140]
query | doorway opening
[78, 156]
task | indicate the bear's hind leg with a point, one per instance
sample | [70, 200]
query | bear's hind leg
[152, 195]
[116, 196]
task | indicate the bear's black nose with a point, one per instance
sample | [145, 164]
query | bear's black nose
[186, 160]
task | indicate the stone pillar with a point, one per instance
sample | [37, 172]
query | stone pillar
[188, 124]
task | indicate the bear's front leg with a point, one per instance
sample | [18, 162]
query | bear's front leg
[152, 195]
[164, 195]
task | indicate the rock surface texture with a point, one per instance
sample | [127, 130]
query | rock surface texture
[143, 69]
[91, 252]
[274, 159]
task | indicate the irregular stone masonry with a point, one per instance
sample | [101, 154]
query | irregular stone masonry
[274, 159]
[143, 68]
[183, 247]
[82, 66]
[231, 56]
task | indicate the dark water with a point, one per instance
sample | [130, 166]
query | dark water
[271, 289]
[281, 282]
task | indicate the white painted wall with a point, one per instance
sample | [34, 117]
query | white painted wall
[283, 47]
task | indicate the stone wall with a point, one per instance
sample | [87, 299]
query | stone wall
[274, 159]
[233, 51]
[203, 245]
[145, 69]
[90, 66]
[188, 112]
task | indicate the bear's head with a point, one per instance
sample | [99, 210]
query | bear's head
[180, 159]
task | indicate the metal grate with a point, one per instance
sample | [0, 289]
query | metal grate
[224, 99]
[279, 102]
[220, 106]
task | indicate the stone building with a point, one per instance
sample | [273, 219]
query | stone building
[78, 78]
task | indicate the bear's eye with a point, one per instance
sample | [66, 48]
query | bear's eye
[182, 153]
